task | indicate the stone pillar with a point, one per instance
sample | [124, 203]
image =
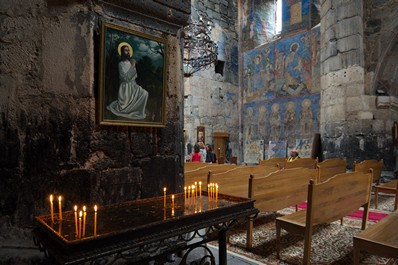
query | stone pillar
[345, 121]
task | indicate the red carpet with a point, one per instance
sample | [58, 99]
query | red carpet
[373, 215]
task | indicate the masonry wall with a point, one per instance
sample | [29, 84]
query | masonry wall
[50, 140]
[353, 124]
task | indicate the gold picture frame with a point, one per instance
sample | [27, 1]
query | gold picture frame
[132, 77]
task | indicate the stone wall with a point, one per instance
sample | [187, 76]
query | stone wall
[212, 99]
[50, 141]
[353, 125]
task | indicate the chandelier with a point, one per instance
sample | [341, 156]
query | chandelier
[199, 50]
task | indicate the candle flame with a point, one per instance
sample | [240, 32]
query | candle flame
[75, 208]
[164, 189]
[80, 214]
[59, 198]
[51, 198]
[84, 208]
[95, 208]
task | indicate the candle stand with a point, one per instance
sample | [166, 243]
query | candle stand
[143, 230]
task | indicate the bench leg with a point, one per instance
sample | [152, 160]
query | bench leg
[356, 252]
[376, 197]
[307, 246]
[249, 235]
[278, 237]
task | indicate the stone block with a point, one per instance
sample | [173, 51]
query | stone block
[365, 115]
[350, 58]
[349, 26]
[353, 90]
[348, 11]
[329, 51]
[352, 42]
[326, 5]
[330, 34]
[379, 127]
[354, 104]
[331, 64]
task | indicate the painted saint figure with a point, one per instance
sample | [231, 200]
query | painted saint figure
[132, 98]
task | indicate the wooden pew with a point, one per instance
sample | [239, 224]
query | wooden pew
[327, 202]
[272, 161]
[235, 182]
[188, 166]
[365, 165]
[301, 162]
[390, 187]
[278, 190]
[380, 239]
[201, 174]
[330, 167]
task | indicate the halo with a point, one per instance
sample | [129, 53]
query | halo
[119, 48]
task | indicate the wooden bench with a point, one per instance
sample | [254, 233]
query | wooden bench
[235, 182]
[327, 202]
[275, 161]
[201, 174]
[278, 190]
[375, 165]
[305, 162]
[390, 187]
[380, 239]
[330, 167]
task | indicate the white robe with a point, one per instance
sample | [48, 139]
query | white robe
[132, 98]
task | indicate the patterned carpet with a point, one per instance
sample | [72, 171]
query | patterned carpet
[331, 243]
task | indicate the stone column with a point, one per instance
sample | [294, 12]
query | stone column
[345, 120]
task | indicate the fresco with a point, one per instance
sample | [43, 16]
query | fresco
[253, 151]
[304, 147]
[283, 119]
[296, 16]
[259, 74]
[257, 22]
[277, 149]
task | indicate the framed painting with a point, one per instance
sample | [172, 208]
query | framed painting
[201, 134]
[131, 78]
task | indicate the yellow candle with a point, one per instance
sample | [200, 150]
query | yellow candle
[95, 220]
[51, 208]
[84, 221]
[200, 189]
[172, 200]
[216, 192]
[185, 192]
[164, 197]
[80, 224]
[76, 225]
[196, 188]
[60, 207]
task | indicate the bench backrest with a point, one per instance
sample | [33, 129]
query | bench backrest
[366, 165]
[281, 189]
[305, 162]
[201, 174]
[272, 162]
[330, 167]
[235, 182]
[188, 166]
[338, 196]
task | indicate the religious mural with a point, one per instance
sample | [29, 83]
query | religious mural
[258, 24]
[285, 119]
[296, 16]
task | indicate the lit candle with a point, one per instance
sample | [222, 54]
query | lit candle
[80, 224]
[52, 208]
[172, 200]
[76, 225]
[196, 188]
[164, 197]
[216, 192]
[185, 193]
[200, 189]
[84, 221]
[60, 207]
[95, 220]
